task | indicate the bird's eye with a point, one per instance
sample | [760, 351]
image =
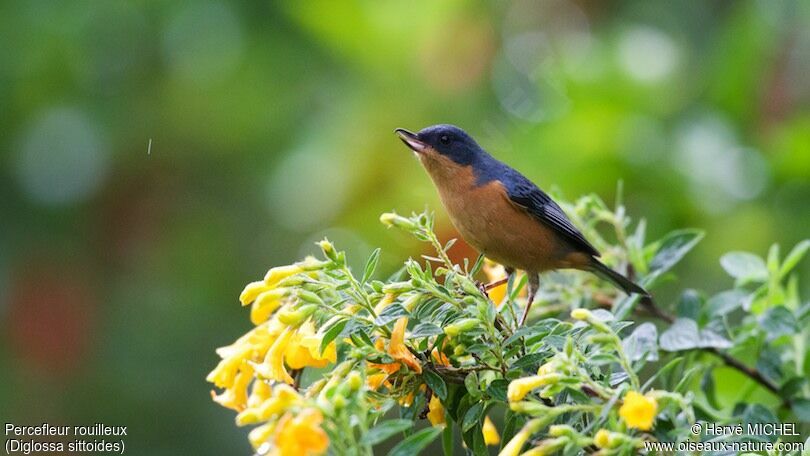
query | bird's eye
[444, 139]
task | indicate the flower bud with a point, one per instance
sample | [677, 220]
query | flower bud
[398, 287]
[581, 314]
[468, 286]
[393, 219]
[308, 296]
[339, 401]
[297, 316]
[354, 380]
[530, 408]
[412, 301]
[328, 249]
[457, 327]
[558, 430]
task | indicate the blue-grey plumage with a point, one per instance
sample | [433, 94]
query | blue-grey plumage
[500, 212]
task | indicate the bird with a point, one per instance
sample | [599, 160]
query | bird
[502, 214]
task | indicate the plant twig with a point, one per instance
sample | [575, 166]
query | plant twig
[728, 360]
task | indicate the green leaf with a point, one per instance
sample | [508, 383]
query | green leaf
[672, 248]
[386, 429]
[663, 372]
[426, 329]
[447, 440]
[725, 302]
[801, 407]
[497, 389]
[415, 443]
[393, 312]
[794, 257]
[472, 416]
[773, 259]
[745, 267]
[332, 333]
[778, 321]
[707, 385]
[690, 304]
[371, 265]
[684, 335]
[642, 343]
[512, 422]
[471, 383]
[477, 266]
[436, 383]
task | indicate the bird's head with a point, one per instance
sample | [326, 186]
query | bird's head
[442, 141]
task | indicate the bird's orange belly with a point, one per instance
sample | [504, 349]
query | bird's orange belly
[505, 233]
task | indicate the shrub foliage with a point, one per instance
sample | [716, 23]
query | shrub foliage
[592, 370]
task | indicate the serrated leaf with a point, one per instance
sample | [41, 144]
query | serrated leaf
[386, 429]
[416, 442]
[672, 248]
[435, 383]
[371, 265]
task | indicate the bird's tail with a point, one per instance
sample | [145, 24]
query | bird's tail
[619, 280]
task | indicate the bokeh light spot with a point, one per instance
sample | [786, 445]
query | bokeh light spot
[647, 54]
[62, 158]
[309, 188]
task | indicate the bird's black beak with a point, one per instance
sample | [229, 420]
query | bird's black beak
[411, 140]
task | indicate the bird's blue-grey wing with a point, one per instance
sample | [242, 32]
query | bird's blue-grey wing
[522, 192]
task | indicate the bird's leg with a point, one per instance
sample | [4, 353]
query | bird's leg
[497, 283]
[532, 286]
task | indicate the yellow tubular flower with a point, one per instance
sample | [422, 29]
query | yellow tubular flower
[301, 434]
[491, 436]
[260, 392]
[304, 349]
[397, 348]
[374, 381]
[265, 304]
[384, 302]
[259, 435]
[251, 291]
[516, 444]
[547, 368]
[602, 438]
[283, 398]
[519, 388]
[273, 365]
[236, 397]
[436, 412]
[407, 400]
[277, 274]
[224, 374]
[638, 411]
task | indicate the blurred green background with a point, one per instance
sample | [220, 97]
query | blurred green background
[271, 126]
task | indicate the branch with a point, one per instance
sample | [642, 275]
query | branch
[728, 360]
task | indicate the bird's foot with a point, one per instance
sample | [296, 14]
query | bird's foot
[482, 287]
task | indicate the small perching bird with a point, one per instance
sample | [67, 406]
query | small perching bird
[503, 214]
